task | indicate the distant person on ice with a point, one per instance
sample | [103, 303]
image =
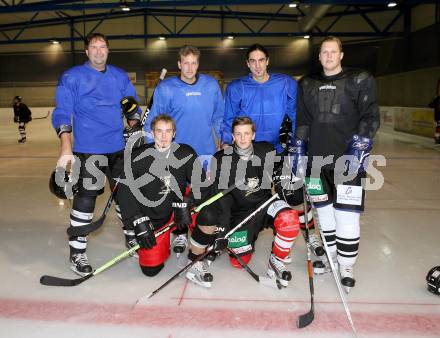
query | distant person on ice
[22, 115]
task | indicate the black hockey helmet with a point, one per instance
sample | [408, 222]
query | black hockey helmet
[60, 184]
[129, 106]
[433, 279]
[18, 98]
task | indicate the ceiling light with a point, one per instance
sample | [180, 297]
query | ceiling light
[230, 37]
[125, 7]
[162, 38]
[306, 36]
[293, 5]
[392, 4]
[54, 42]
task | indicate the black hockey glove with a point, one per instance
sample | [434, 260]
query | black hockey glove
[182, 213]
[130, 108]
[16, 119]
[144, 231]
[137, 132]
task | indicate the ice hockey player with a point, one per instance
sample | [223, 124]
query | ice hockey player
[152, 193]
[337, 116]
[195, 102]
[253, 162]
[88, 104]
[262, 96]
[22, 116]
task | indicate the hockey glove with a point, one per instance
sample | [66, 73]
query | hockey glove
[356, 156]
[134, 134]
[144, 231]
[130, 108]
[16, 119]
[182, 213]
[297, 157]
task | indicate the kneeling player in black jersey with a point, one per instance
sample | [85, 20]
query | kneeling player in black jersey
[252, 162]
[152, 192]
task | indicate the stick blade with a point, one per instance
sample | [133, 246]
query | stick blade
[86, 229]
[58, 281]
[306, 319]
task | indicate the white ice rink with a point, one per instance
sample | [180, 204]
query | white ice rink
[400, 242]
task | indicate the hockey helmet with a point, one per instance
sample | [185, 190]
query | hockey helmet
[61, 185]
[433, 279]
[18, 98]
[129, 106]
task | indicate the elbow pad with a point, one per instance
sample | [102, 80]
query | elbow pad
[64, 128]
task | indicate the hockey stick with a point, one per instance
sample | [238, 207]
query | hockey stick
[58, 281]
[208, 250]
[307, 318]
[267, 281]
[88, 228]
[333, 268]
[43, 117]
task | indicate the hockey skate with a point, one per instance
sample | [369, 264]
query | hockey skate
[316, 245]
[347, 280]
[80, 264]
[22, 140]
[179, 244]
[199, 274]
[322, 265]
[211, 257]
[131, 242]
[277, 269]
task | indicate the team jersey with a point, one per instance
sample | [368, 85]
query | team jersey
[265, 103]
[88, 100]
[156, 179]
[230, 168]
[197, 109]
[334, 108]
[22, 112]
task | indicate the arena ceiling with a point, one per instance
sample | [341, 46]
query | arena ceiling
[177, 18]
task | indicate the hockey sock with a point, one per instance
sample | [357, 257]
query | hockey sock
[347, 236]
[80, 215]
[327, 221]
[22, 130]
[286, 224]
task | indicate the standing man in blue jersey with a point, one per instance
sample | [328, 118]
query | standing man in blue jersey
[88, 104]
[266, 98]
[196, 104]
[262, 96]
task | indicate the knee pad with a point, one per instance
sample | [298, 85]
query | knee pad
[200, 239]
[287, 222]
[151, 271]
[245, 258]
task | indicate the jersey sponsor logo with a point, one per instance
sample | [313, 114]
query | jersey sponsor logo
[243, 249]
[319, 198]
[238, 239]
[193, 94]
[349, 194]
[314, 186]
[276, 206]
[327, 87]
[166, 185]
[180, 205]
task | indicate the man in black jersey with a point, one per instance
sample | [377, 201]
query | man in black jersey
[152, 192]
[337, 118]
[252, 162]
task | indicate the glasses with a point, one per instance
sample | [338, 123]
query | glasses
[253, 61]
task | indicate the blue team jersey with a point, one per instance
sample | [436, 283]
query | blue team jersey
[88, 100]
[265, 103]
[197, 109]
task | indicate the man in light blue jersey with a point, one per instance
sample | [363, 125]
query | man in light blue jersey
[88, 104]
[196, 104]
[264, 97]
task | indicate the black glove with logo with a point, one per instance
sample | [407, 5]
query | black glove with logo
[144, 231]
[182, 213]
[137, 130]
[130, 107]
